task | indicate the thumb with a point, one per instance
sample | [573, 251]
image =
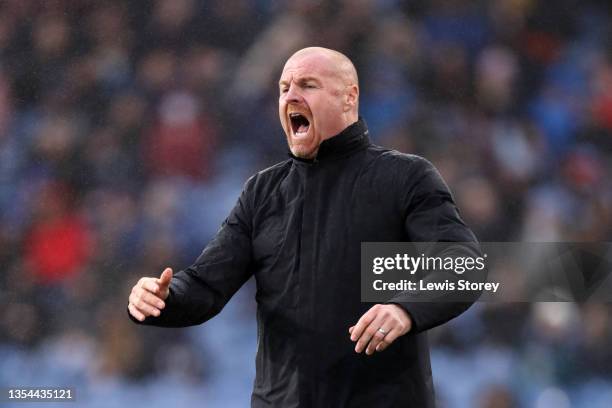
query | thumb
[165, 277]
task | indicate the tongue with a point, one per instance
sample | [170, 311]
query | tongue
[302, 129]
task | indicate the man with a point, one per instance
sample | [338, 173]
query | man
[297, 227]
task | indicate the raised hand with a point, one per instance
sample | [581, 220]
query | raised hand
[148, 295]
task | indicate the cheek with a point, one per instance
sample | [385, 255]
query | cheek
[328, 107]
[325, 116]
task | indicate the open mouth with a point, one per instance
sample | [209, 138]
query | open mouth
[299, 124]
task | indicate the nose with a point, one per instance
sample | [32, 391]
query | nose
[293, 95]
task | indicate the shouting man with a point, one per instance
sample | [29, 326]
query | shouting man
[298, 227]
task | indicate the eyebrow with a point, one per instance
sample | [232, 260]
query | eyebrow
[300, 80]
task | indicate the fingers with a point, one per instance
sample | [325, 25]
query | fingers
[151, 286]
[165, 277]
[153, 300]
[392, 319]
[370, 335]
[164, 283]
[363, 322]
[378, 337]
[388, 339]
[364, 330]
[134, 312]
[148, 295]
[145, 300]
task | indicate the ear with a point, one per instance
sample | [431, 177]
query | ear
[351, 97]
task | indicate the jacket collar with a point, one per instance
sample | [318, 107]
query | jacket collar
[353, 138]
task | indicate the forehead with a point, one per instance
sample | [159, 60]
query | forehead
[311, 65]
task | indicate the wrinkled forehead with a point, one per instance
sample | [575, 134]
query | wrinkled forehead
[309, 65]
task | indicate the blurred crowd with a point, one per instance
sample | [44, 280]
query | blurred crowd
[128, 128]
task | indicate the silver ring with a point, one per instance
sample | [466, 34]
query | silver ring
[384, 333]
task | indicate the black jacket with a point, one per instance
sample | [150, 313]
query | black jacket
[297, 227]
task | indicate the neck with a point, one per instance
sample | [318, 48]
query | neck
[348, 119]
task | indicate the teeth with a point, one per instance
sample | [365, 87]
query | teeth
[295, 126]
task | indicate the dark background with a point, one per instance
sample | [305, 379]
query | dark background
[127, 129]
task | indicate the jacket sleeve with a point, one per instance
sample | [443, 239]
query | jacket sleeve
[431, 216]
[200, 291]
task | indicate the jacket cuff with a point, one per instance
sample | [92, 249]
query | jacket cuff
[427, 315]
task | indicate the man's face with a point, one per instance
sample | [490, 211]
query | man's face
[311, 104]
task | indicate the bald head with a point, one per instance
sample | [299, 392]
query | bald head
[339, 64]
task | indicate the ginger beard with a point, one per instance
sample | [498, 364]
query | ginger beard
[312, 103]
